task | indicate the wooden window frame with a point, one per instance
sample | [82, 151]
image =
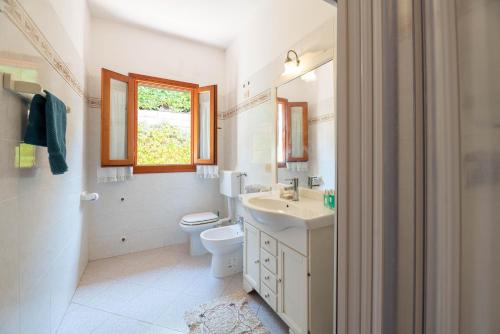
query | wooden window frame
[106, 76]
[305, 132]
[171, 84]
[133, 81]
[284, 131]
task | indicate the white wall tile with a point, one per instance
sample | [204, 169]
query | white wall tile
[9, 264]
[42, 236]
[35, 306]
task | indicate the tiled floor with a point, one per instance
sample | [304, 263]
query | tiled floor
[149, 292]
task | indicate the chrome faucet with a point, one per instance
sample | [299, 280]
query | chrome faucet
[295, 183]
[313, 181]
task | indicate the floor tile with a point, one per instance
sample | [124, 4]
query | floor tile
[254, 301]
[178, 278]
[150, 304]
[81, 320]
[149, 293]
[271, 320]
[121, 325]
[88, 291]
[173, 317]
[207, 287]
[116, 296]
[234, 286]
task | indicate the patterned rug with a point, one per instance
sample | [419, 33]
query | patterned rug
[227, 315]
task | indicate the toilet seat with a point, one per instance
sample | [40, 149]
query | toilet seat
[199, 219]
[194, 224]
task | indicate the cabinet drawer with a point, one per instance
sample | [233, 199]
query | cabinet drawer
[269, 279]
[268, 296]
[268, 261]
[269, 243]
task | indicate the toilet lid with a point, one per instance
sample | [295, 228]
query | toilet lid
[200, 218]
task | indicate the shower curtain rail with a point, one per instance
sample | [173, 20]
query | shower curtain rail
[23, 87]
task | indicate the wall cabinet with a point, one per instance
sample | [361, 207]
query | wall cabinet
[293, 271]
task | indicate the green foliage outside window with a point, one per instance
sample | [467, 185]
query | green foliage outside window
[162, 144]
[151, 98]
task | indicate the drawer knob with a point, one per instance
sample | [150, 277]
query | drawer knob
[266, 278]
[266, 295]
[267, 242]
[256, 261]
[266, 260]
[279, 280]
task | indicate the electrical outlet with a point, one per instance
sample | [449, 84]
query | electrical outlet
[246, 90]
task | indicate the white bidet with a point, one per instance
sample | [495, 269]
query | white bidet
[226, 245]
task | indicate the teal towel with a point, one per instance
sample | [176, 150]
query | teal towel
[47, 127]
[36, 131]
[55, 120]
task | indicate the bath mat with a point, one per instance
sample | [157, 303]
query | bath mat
[227, 315]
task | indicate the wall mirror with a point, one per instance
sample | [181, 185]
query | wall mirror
[305, 129]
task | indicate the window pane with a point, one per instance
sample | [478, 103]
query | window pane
[204, 133]
[118, 120]
[163, 126]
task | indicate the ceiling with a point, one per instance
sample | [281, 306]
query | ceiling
[213, 22]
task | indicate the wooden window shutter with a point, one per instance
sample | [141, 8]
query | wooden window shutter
[117, 119]
[205, 126]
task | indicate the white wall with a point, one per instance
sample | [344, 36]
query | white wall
[74, 17]
[257, 56]
[153, 203]
[43, 246]
[263, 39]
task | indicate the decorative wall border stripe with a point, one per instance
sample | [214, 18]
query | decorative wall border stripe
[258, 99]
[265, 96]
[322, 118]
[21, 19]
[94, 102]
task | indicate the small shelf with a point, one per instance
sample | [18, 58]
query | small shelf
[23, 87]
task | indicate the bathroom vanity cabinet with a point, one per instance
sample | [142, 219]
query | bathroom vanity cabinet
[293, 271]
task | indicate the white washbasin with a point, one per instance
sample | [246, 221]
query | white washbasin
[269, 209]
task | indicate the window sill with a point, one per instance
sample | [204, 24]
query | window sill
[164, 169]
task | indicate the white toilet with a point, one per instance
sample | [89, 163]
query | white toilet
[194, 224]
[226, 245]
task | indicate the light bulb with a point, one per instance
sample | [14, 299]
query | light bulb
[290, 67]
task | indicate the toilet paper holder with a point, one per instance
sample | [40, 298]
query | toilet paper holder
[86, 196]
